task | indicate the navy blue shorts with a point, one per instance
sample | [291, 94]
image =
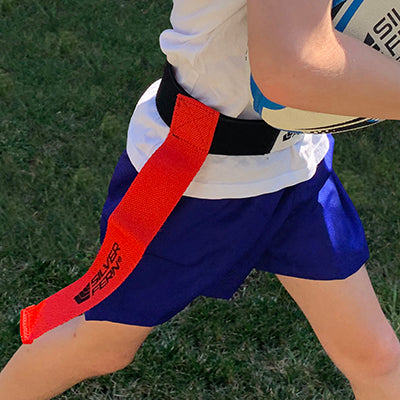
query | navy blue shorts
[208, 247]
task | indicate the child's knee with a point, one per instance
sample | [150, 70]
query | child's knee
[385, 357]
[377, 357]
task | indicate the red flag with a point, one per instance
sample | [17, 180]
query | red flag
[132, 226]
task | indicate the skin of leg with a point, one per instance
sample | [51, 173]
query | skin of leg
[67, 355]
[349, 322]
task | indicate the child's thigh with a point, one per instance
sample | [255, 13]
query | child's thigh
[100, 344]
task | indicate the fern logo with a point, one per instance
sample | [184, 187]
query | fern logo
[102, 276]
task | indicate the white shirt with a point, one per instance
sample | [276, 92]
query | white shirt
[207, 45]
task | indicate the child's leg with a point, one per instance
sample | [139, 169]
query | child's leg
[67, 355]
[349, 322]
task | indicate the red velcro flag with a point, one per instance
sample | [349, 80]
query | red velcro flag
[132, 226]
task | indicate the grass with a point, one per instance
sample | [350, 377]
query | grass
[70, 75]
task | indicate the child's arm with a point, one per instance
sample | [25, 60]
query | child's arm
[299, 60]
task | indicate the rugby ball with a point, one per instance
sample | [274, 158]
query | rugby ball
[377, 24]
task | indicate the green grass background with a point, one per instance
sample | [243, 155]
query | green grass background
[70, 74]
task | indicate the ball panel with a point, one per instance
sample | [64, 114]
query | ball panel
[304, 121]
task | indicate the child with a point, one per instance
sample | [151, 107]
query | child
[281, 209]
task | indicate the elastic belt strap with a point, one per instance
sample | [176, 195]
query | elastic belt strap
[131, 227]
[232, 136]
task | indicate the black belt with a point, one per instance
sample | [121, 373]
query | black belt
[233, 137]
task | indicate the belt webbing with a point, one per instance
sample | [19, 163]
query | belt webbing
[233, 136]
[137, 219]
